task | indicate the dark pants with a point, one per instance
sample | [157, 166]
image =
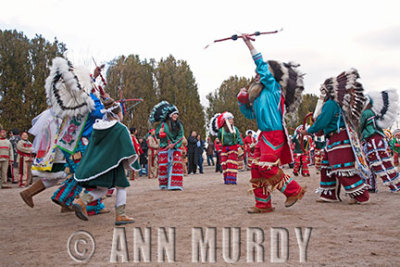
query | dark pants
[200, 163]
[210, 158]
[192, 164]
[218, 167]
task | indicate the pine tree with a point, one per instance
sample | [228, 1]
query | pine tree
[135, 78]
[23, 70]
[15, 77]
[176, 84]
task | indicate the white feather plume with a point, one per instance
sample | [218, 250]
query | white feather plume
[385, 120]
[68, 89]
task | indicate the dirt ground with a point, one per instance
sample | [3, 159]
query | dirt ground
[342, 234]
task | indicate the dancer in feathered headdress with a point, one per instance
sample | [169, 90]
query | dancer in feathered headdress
[380, 113]
[277, 88]
[170, 133]
[222, 125]
[69, 92]
[341, 110]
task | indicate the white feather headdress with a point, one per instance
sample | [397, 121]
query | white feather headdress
[68, 89]
[385, 105]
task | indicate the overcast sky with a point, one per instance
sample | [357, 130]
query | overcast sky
[325, 37]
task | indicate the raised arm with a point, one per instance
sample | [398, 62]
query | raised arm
[266, 77]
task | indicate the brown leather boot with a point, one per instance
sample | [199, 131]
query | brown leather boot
[28, 193]
[120, 216]
[290, 201]
[80, 207]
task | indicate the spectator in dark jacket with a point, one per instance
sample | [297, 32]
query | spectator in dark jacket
[199, 153]
[191, 148]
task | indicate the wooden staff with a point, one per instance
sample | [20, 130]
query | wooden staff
[235, 36]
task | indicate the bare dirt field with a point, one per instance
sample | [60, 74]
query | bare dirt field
[342, 234]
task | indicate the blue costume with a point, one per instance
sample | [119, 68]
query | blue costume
[272, 147]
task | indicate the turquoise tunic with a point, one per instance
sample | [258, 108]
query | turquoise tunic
[368, 125]
[171, 137]
[228, 138]
[266, 109]
[330, 119]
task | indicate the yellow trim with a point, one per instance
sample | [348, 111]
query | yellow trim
[36, 168]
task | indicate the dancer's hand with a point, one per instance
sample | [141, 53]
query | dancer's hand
[246, 40]
[96, 72]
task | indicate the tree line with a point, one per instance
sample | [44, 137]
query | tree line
[24, 66]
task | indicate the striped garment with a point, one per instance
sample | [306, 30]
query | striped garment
[6, 150]
[170, 169]
[229, 163]
[380, 163]
[338, 168]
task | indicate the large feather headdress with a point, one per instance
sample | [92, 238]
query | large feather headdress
[348, 93]
[291, 81]
[213, 127]
[219, 120]
[68, 89]
[385, 105]
[162, 111]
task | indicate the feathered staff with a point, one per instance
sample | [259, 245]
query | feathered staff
[235, 37]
